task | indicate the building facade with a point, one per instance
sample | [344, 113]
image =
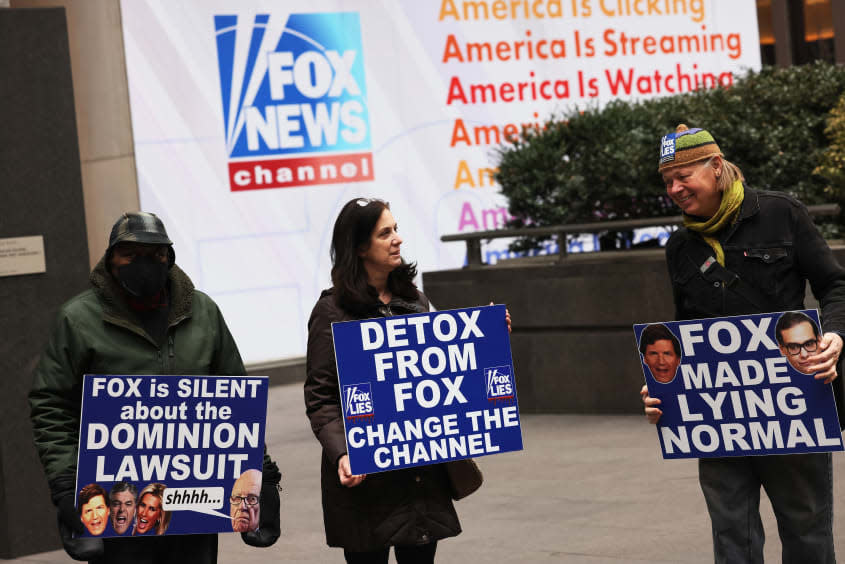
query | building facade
[795, 32]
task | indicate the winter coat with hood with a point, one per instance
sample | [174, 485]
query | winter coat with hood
[97, 333]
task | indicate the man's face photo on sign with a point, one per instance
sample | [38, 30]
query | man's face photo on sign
[661, 352]
[122, 506]
[92, 509]
[798, 340]
[244, 502]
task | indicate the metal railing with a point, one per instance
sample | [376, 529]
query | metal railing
[473, 240]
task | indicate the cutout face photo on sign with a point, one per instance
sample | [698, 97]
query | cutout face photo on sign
[122, 506]
[661, 352]
[92, 509]
[244, 502]
[798, 339]
[150, 515]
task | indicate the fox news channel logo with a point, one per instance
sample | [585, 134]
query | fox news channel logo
[358, 401]
[294, 100]
[499, 382]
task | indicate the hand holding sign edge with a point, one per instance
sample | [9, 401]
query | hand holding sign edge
[652, 413]
[345, 475]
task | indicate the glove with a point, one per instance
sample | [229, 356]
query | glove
[61, 490]
[269, 526]
[67, 515]
[80, 548]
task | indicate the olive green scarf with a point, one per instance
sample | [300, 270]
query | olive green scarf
[728, 209]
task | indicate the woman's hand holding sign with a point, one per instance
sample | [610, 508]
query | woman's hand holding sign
[652, 413]
[345, 473]
[507, 317]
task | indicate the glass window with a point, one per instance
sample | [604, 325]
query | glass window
[767, 35]
[818, 30]
[818, 20]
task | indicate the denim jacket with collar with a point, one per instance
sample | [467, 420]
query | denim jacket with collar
[774, 247]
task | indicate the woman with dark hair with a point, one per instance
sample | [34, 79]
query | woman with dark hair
[743, 251]
[409, 509]
[366, 260]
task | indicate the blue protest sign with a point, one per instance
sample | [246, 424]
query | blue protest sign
[736, 386]
[426, 388]
[164, 454]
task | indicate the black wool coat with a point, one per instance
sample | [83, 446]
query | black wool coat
[401, 507]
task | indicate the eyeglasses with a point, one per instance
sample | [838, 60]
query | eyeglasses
[795, 348]
[248, 499]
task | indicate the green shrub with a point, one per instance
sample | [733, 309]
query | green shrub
[602, 163]
[832, 165]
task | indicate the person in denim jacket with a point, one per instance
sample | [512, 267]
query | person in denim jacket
[765, 241]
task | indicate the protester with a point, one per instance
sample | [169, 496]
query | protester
[141, 315]
[409, 509]
[743, 251]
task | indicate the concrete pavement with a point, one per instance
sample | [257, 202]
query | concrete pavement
[586, 490]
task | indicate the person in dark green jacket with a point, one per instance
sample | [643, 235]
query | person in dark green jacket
[141, 315]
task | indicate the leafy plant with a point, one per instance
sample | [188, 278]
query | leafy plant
[832, 163]
[601, 164]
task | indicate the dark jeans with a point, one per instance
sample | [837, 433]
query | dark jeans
[421, 554]
[176, 549]
[800, 487]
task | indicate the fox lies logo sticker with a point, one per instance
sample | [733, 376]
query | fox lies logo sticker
[358, 401]
[667, 148]
[499, 383]
[294, 100]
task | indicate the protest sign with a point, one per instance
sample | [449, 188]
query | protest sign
[426, 388]
[730, 387]
[171, 450]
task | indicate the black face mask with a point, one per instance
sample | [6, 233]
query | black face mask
[144, 277]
